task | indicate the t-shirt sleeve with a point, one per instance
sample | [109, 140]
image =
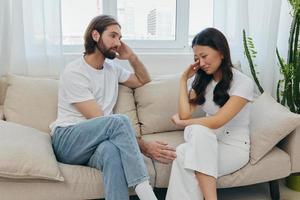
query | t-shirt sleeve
[75, 87]
[190, 83]
[242, 86]
[122, 73]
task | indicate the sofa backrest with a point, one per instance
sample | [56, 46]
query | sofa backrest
[126, 105]
[3, 87]
[157, 102]
[33, 102]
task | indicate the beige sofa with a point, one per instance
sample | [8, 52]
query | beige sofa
[32, 102]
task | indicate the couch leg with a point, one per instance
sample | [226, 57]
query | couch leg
[274, 189]
[160, 193]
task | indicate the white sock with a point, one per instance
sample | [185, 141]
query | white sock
[144, 191]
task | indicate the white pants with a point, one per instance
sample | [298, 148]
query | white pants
[202, 152]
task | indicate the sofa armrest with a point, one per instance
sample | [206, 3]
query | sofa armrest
[291, 145]
[1, 113]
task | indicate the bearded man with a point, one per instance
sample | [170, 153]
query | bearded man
[86, 132]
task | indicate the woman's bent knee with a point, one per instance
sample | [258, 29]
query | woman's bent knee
[198, 132]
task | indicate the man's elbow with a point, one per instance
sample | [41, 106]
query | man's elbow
[142, 83]
[145, 81]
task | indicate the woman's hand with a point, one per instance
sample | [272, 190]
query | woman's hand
[176, 120]
[191, 70]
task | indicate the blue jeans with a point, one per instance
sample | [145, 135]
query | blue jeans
[106, 143]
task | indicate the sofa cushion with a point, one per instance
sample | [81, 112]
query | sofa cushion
[1, 113]
[126, 105]
[291, 144]
[157, 102]
[3, 87]
[81, 182]
[275, 165]
[270, 122]
[268, 168]
[26, 153]
[31, 101]
[173, 138]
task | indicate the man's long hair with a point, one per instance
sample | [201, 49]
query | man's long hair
[99, 23]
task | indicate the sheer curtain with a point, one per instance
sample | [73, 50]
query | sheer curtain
[260, 19]
[30, 37]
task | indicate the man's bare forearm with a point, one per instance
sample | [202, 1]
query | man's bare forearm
[139, 69]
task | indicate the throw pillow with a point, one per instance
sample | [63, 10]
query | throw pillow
[157, 102]
[31, 101]
[26, 153]
[126, 105]
[270, 122]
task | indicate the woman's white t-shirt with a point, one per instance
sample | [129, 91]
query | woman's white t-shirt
[81, 82]
[238, 127]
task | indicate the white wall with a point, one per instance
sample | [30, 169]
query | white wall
[162, 63]
[157, 64]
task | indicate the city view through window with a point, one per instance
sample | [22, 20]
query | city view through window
[140, 19]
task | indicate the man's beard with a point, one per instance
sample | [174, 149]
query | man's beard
[107, 52]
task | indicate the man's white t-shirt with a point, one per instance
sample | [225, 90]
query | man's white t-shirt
[81, 82]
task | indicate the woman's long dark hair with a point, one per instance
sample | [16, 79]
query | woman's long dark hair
[214, 39]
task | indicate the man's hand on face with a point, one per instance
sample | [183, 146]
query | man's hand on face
[125, 52]
[160, 151]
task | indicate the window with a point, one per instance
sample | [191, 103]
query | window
[76, 14]
[145, 24]
[147, 20]
[201, 16]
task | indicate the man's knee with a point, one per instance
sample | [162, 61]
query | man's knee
[123, 118]
[119, 119]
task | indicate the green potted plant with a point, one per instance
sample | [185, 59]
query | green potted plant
[288, 92]
[288, 88]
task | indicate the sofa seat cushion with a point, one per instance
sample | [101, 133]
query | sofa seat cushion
[163, 171]
[275, 165]
[270, 122]
[26, 153]
[81, 182]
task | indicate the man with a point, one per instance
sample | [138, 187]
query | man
[86, 132]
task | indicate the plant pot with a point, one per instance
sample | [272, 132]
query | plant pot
[293, 182]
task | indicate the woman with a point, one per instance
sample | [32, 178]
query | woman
[217, 144]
